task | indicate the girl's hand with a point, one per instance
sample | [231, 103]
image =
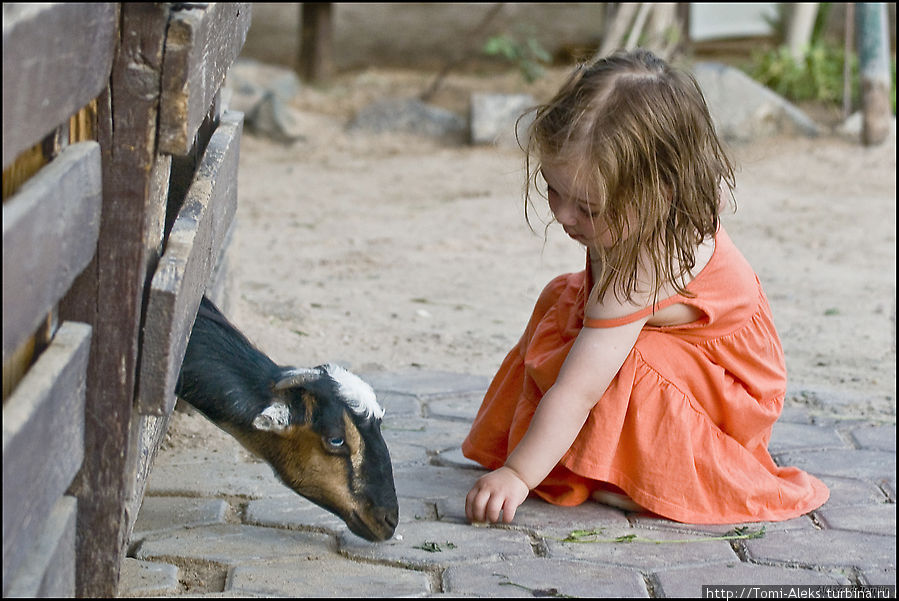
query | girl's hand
[500, 490]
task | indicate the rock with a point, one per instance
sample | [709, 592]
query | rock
[409, 115]
[851, 128]
[494, 118]
[743, 109]
[262, 92]
[272, 118]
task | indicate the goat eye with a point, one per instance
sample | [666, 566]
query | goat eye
[335, 442]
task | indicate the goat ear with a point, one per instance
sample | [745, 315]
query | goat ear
[297, 377]
[274, 418]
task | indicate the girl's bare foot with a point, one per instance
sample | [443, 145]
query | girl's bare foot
[614, 499]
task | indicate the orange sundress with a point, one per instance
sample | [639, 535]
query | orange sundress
[683, 428]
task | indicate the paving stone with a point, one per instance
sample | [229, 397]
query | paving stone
[439, 544]
[543, 578]
[215, 479]
[879, 576]
[398, 405]
[407, 454]
[847, 463]
[888, 485]
[427, 383]
[147, 578]
[332, 576]
[231, 544]
[787, 436]
[462, 407]
[158, 513]
[433, 482]
[291, 547]
[229, 454]
[296, 513]
[688, 582]
[824, 548]
[876, 519]
[638, 554]
[292, 512]
[654, 522]
[796, 414]
[849, 491]
[537, 515]
[428, 435]
[882, 438]
[454, 458]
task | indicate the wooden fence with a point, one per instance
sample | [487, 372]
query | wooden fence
[119, 189]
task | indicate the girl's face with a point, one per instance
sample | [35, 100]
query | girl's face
[573, 209]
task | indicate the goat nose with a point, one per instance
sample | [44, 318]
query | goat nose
[388, 515]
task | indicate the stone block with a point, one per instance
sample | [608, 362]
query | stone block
[326, 577]
[824, 549]
[879, 438]
[874, 519]
[543, 578]
[845, 463]
[161, 513]
[673, 549]
[849, 491]
[147, 578]
[432, 482]
[231, 544]
[688, 582]
[408, 115]
[426, 384]
[787, 436]
[423, 545]
[495, 118]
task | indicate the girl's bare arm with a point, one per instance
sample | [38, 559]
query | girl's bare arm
[594, 359]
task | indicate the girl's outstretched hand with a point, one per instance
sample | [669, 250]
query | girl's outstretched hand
[501, 490]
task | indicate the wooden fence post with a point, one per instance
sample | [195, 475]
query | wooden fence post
[874, 70]
[109, 293]
[316, 59]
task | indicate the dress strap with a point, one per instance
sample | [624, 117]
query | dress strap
[626, 319]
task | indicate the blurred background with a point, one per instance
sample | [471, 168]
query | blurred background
[797, 49]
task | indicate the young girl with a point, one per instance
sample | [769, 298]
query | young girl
[651, 379]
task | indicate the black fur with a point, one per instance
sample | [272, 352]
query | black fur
[223, 375]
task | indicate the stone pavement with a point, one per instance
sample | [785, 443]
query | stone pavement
[214, 524]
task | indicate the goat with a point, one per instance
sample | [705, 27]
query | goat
[318, 428]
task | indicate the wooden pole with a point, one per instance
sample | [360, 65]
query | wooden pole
[799, 29]
[316, 59]
[848, 45]
[874, 69]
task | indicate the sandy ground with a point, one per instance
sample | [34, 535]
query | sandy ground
[396, 252]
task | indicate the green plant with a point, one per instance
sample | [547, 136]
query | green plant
[819, 77]
[528, 55]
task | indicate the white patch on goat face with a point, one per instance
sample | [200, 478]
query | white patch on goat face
[275, 417]
[358, 395]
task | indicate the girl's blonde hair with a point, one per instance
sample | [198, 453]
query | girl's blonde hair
[637, 133]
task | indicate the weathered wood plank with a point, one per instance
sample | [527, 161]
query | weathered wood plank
[57, 57]
[193, 246]
[110, 293]
[147, 431]
[200, 46]
[43, 439]
[50, 230]
[49, 567]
